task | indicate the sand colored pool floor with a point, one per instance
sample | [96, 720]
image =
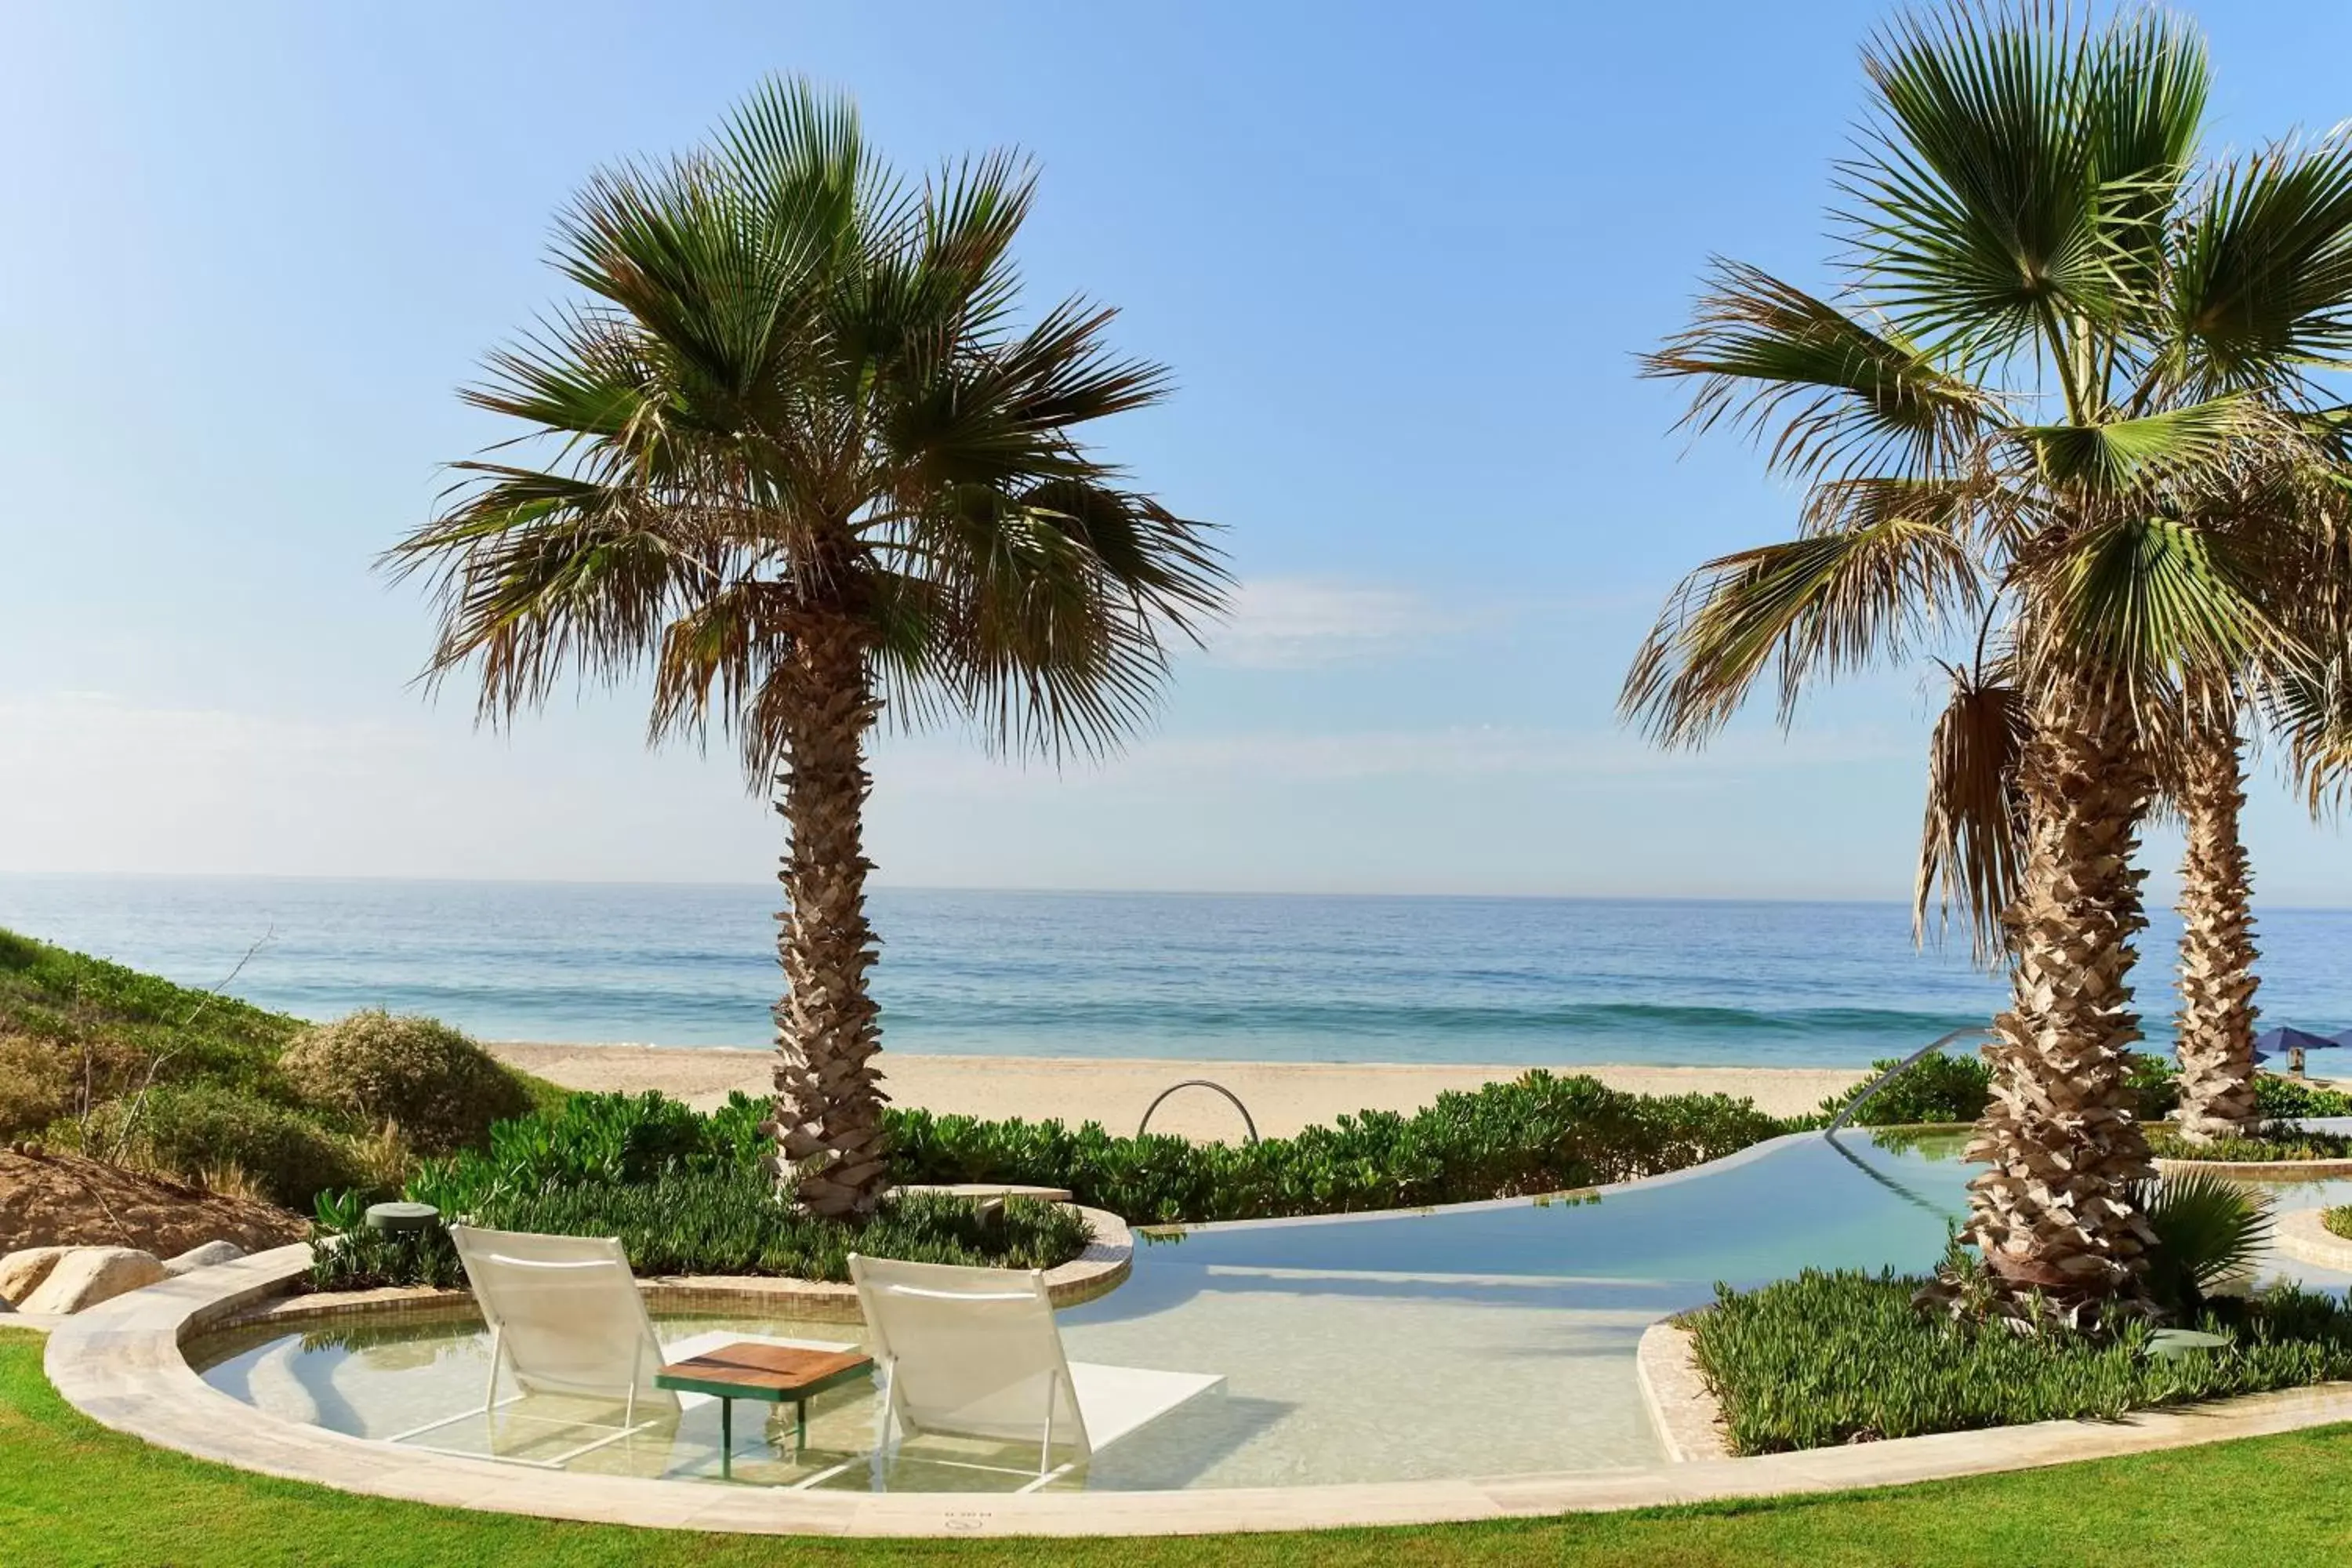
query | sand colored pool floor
[1482, 1340]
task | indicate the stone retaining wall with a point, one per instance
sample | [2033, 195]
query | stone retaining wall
[1100, 1269]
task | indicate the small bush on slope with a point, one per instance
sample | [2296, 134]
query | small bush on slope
[440, 1088]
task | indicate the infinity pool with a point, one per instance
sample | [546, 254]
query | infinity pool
[1483, 1339]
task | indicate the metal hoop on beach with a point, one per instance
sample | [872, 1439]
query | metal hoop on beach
[1198, 1083]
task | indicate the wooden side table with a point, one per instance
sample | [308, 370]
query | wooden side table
[774, 1374]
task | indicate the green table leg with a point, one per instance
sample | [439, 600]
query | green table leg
[726, 1439]
[800, 1427]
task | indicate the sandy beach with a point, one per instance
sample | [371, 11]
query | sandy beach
[1282, 1097]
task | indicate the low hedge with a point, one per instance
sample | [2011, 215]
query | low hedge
[1937, 1088]
[2274, 1140]
[1539, 1133]
[1846, 1357]
[1956, 1087]
[722, 1222]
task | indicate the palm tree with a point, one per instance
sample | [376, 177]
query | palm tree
[797, 459]
[2214, 1028]
[2059, 357]
[2299, 694]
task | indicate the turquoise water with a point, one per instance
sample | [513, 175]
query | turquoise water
[1119, 974]
[1488, 1339]
[1482, 1340]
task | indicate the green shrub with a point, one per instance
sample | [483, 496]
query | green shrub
[37, 1084]
[2156, 1081]
[2208, 1230]
[2338, 1220]
[203, 1132]
[1939, 1086]
[593, 1139]
[1843, 1357]
[717, 1221]
[2278, 1096]
[1956, 1088]
[1539, 1133]
[441, 1090]
[1535, 1135]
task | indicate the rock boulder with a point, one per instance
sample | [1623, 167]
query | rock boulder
[21, 1272]
[85, 1276]
[205, 1257]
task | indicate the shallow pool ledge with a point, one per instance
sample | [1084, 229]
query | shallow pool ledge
[121, 1364]
[2301, 1235]
[1681, 1408]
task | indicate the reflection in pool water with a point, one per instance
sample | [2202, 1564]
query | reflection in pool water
[1486, 1340]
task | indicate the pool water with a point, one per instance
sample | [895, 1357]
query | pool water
[1482, 1340]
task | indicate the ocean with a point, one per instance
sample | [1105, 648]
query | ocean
[1227, 978]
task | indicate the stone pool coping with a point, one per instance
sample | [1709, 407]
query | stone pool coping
[121, 1364]
[2261, 1170]
[2301, 1235]
[1689, 1422]
[1683, 1409]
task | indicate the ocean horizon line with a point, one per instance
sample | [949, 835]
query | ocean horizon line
[993, 891]
[1124, 974]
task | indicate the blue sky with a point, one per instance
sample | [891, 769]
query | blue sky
[1400, 257]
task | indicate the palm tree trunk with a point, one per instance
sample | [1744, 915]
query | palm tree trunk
[2061, 1135]
[829, 1098]
[2216, 1021]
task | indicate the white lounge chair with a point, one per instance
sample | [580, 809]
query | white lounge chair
[973, 1352]
[565, 1319]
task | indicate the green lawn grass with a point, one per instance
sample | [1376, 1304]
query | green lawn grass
[72, 1493]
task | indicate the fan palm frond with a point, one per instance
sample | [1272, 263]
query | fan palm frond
[1817, 606]
[1827, 392]
[2009, 180]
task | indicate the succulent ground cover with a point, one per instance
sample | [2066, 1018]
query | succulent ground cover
[1829, 1358]
[729, 1222]
[2272, 1141]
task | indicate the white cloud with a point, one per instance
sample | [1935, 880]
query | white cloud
[1287, 623]
[94, 782]
[1485, 751]
[934, 767]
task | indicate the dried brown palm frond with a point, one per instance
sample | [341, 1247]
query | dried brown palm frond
[1972, 836]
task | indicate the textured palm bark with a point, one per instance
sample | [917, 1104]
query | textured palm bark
[2216, 1021]
[828, 1108]
[2061, 1135]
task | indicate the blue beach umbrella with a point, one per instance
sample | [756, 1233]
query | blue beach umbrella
[2292, 1043]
